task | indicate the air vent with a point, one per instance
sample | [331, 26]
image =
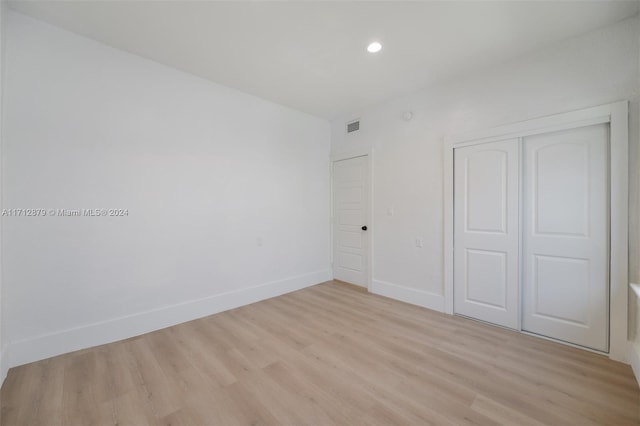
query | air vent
[353, 126]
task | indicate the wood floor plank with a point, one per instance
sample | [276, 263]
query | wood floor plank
[80, 404]
[330, 354]
[153, 385]
[501, 414]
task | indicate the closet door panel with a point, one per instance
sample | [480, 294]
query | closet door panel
[486, 232]
[565, 238]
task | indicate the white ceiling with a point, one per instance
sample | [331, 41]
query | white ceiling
[312, 56]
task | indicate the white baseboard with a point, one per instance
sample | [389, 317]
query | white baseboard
[46, 346]
[414, 296]
[634, 359]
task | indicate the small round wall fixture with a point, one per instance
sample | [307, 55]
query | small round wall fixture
[374, 47]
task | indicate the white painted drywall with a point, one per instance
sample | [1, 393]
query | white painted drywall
[634, 230]
[597, 68]
[4, 365]
[227, 194]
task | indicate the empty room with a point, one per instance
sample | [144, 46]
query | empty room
[319, 212]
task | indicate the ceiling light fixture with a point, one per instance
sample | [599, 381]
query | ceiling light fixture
[374, 47]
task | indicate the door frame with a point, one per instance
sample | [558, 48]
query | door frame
[616, 114]
[368, 206]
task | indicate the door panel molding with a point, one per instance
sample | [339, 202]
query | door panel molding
[498, 199]
[474, 294]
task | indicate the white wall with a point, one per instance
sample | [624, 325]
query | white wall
[591, 70]
[4, 365]
[205, 172]
[634, 252]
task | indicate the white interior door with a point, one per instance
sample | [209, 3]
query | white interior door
[350, 228]
[565, 250]
[486, 232]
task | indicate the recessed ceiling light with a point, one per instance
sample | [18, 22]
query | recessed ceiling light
[374, 47]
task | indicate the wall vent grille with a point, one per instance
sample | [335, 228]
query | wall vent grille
[353, 126]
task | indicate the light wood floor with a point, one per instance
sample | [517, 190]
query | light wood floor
[329, 354]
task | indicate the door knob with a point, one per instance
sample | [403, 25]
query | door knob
[364, 228]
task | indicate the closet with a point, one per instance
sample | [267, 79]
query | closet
[531, 231]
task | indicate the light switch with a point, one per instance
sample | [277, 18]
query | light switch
[419, 242]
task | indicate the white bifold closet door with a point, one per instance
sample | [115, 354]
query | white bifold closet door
[486, 232]
[565, 236]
